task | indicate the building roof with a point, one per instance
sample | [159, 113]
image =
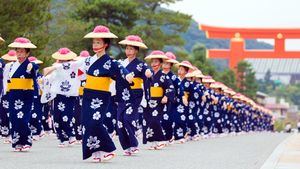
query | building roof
[276, 66]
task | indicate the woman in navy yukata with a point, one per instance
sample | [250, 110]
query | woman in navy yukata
[180, 128]
[242, 114]
[161, 90]
[22, 75]
[128, 115]
[219, 108]
[193, 98]
[199, 96]
[229, 123]
[37, 108]
[168, 116]
[238, 112]
[208, 106]
[100, 70]
[10, 58]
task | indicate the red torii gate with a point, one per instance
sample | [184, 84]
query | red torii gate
[237, 51]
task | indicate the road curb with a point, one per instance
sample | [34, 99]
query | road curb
[273, 159]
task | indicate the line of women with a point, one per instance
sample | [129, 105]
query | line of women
[89, 99]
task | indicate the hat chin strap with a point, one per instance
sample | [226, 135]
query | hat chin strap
[96, 50]
[155, 66]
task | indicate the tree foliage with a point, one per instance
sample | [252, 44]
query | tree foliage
[158, 27]
[246, 81]
[27, 18]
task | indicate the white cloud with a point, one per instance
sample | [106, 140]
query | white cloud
[244, 13]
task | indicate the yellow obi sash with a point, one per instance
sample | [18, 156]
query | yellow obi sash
[20, 84]
[81, 90]
[156, 92]
[137, 83]
[98, 83]
[186, 95]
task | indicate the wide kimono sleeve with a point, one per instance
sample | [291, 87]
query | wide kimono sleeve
[144, 68]
[118, 72]
[34, 71]
[168, 87]
[47, 95]
[123, 92]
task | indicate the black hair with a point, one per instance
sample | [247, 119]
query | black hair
[136, 48]
[161, 60]
[106, 41]
[186, 68]
[27, 50]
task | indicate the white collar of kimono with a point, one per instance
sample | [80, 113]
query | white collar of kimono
[125, 62]
[14, 68]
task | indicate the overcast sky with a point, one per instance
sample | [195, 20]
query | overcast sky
[244, 13]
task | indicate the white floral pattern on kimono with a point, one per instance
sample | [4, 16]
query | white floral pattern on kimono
[96, 103]
[19, 104]
[20, 115]
[61, 106]
[149, 133]
[93, 142]
[96, 115]
[179, 132]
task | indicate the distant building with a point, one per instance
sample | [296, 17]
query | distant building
[261, 98]
[280, 110]
[286, 71]
[293, 113]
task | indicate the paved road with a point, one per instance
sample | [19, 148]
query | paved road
[238, 152]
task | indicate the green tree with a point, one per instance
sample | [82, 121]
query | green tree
[27, 18]
[246, 81]
[65, 30]
[268, 76]
[119, 15]
[198, 59]
[157, 26]
[228, 78]
[154, 22]
[291, 93]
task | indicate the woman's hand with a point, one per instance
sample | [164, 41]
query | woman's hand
[148, 73]
[164, 100]
[185, 101]
[129, 78]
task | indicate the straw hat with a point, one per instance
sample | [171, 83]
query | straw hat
[195, 73]
[64, 54]
[171, 58]
[156, 54]
[252, 103]
[198, 74]
[208, 79]
[247, 99]
[1, 39]
[224, 87]
[101, 32]
[186, 64]
[190, 74]
[230, 91]
[218, 85]
[22, 43]
[10, 56]
[238, 96]
[133, 40]
[83, 54]
[35, 60]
